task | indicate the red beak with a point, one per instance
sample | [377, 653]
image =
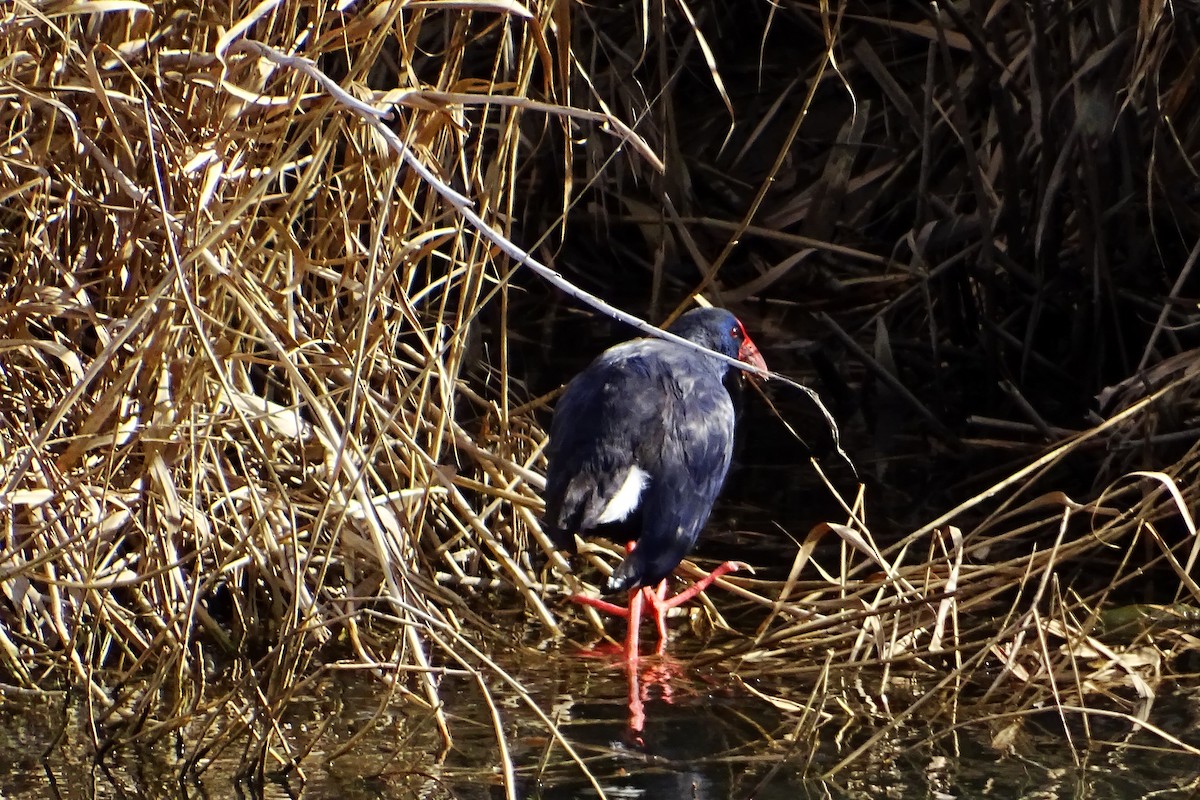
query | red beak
[749, 353]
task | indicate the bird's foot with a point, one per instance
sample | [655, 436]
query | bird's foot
[654, 603]
[642, 602]
[600, 605]
[702, 584]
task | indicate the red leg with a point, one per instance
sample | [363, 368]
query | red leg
[702, 584]
[632, 613]
[658, 607]
[660, 604]
[652, 602]
[601, 605]
[635, 622]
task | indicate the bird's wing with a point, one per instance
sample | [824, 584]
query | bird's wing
[689, 471]
[607, 423]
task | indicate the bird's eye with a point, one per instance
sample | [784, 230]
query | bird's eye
[736, 332]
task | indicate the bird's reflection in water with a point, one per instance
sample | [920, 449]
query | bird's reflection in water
[647, 679]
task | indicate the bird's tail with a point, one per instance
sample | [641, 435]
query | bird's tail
[650, 562]
[625, 577]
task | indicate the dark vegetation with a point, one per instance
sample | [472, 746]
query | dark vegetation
[268, 391]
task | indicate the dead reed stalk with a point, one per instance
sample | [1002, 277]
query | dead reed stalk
[256, 395]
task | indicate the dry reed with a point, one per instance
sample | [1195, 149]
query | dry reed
[251, 407]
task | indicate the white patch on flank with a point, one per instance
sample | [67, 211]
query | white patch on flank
[626, 499]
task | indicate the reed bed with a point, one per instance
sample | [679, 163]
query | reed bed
[264, 287]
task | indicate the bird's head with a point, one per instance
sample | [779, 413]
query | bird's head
[718, 329]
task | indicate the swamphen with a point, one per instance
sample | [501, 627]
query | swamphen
[639, 447]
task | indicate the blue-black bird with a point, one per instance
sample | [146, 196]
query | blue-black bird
[639, 447]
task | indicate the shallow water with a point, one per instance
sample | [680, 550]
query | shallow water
[703, 737]
[697, 734]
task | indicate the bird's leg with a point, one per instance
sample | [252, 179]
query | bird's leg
[702, 584]
[604, 605]
[653, 602]
[634, 614]
[631, 613]
[658, 608]
[601, 605]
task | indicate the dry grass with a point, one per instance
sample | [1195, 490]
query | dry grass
[256, 388]
[236, 338]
